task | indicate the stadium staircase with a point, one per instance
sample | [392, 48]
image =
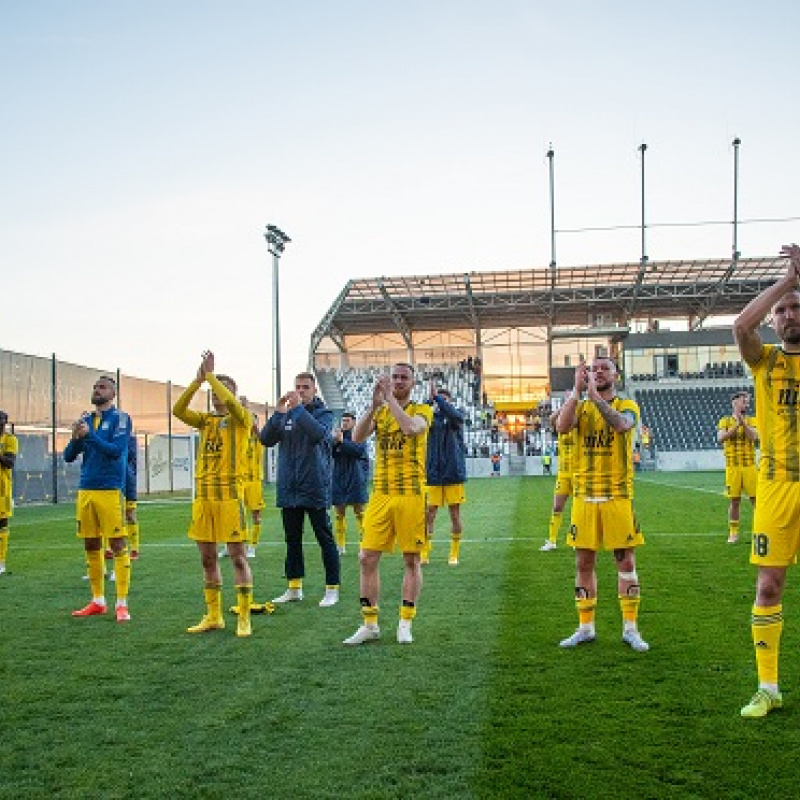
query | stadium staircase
[516, 465]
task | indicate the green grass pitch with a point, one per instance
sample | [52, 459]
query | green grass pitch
[484, 704]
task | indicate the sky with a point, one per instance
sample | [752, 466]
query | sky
[145, 145]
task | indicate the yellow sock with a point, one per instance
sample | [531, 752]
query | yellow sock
[340, 530]
[212, 592]
[555, 526]
[767, 626]
[733, 527]
[586, 607]
[244, 596]
[370, 614]
[256, 533]
[408, 612]
[360, 523]
[296, 583]
[455, 544]
[133, 535]
[630, 608]
[3, 545]
[122, 574]
[425, 552]
[96, 569]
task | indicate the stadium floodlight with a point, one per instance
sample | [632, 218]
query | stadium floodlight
[276, 243]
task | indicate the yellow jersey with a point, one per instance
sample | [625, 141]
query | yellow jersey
[400, 459]
[739, 450]
[254, 459]
[9, 445]
[603, 458]
[566, 450]
[221, 458]
[777, 390]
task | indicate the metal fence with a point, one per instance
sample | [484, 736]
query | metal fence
[44, 396]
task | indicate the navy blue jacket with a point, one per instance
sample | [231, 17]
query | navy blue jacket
[445, 461]
[304, 455]
[130, 469]
[350, 470]
[105, 451]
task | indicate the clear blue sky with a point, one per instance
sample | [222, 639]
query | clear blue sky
[145, 146]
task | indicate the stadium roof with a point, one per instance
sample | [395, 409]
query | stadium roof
[569, 297]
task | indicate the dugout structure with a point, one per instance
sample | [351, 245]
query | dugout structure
[522, 325]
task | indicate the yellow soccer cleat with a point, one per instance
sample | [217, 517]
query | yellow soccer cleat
[762, 703]
[207, 623]
[243, 627]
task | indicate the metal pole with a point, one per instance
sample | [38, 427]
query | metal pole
[550, 156]
[736, 142]
[642, 149]
[54, 424]
[276, 328]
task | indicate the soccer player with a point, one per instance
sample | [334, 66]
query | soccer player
[396, 509]
[9, 447]
[254, 485]
[101, 439]
[776, 523]
[218, 508]
[602, 512]
[131, 523]
[563, 488]
[302, 426]
[738, 435]
[445, 469]
[350, 471]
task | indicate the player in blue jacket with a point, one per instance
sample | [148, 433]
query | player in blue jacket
[101, 438]
[350, 472]
[445, 468]
[302, 426]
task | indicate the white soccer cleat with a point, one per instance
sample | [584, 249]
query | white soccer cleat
[251, 551]
[364, 634]
[581, 636]
[289, 596]
[548, 545]
[453, 562]
[223, 553]
[634, 640]
[404, 632]
[331, 598]
[2, 568]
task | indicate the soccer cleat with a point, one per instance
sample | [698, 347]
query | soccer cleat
[581, 636]
[251, 551]
[634, 640]
[134, 555]
[548, 545]
[256, 608]
[207, 623]
[289, 596]
[342, 550]
[331, 598]
[365, 633]
[243, 627]
[453, 562]
[90, 610]
[122, 614]
[112, 576]
[762, 703]
[404, 632]
[2, 569]
[223, 553]
[733, 538]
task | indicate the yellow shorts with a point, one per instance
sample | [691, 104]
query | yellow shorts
[130, 505]
[254, 495]
[6, 506]
[776, 524]
[452, 495]
[741, 479]
[563, 484]
[100, 513]
[608, 525]
[394, 519]
[218, 521]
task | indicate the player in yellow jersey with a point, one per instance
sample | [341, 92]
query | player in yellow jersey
[738, 435]
[602, 512]
[563, 488]
[395, 512]
[9, 447]
[776, 523]
[218, 508]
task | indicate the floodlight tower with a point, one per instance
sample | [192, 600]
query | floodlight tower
[276, 243]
